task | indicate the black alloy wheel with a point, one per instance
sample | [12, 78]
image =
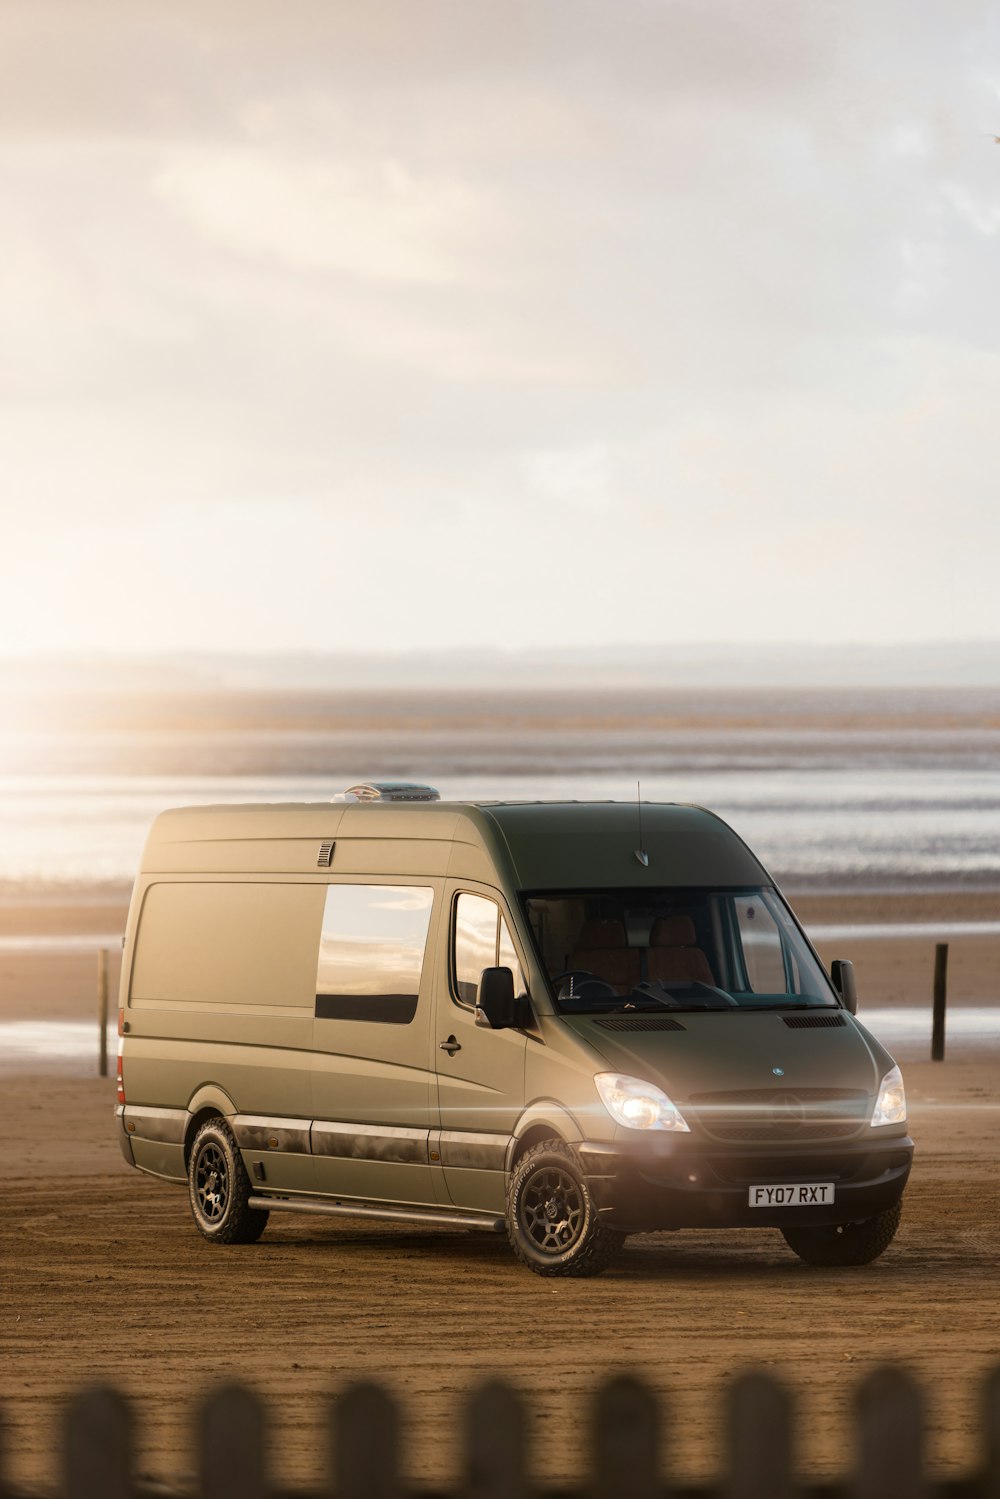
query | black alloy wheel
[211, 1182]
[837, 1244]
[553, 1223]
[552, 1209]
[219, 1188]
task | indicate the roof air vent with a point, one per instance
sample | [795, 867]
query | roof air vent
[388, 791]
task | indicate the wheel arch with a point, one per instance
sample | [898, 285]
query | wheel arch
[544, 1120]
[210, 1102]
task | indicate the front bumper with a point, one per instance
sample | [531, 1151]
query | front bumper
[682, 1182]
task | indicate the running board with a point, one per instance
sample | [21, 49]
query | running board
[488, 1221]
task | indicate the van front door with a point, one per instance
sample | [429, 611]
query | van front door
[480, 1072]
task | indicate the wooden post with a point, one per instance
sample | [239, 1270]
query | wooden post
[890, 1427]
[760, 1439]
[231, 1451]
[366, 1429]
[97, 1447]
[102, 1010]
[940, 1000]
[626, 1433]
[495, 1465]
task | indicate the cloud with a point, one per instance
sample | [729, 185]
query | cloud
[512, 288]
[578, 478]
[374, 221]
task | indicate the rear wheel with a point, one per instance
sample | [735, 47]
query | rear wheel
[553, 1223]
[219, 1188]
[845, 1243]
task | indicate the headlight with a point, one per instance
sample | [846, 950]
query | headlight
[890, 1106]
[638, 1105]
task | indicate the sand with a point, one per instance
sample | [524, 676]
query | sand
[104, 1278]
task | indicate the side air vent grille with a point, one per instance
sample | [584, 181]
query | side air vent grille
[640, 1023]
[814, 1022]
[325, 856]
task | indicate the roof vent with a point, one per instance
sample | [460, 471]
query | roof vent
[388, 791]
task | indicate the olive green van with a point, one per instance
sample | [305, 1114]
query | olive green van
[544, 1019]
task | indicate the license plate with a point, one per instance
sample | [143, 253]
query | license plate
[796, 1195]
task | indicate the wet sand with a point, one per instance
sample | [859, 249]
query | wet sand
[105, 1278]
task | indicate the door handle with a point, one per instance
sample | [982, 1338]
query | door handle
[450, 1046]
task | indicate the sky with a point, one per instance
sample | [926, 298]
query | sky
[427, 323]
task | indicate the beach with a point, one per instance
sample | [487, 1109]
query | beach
[105, 1278]
[879, 814]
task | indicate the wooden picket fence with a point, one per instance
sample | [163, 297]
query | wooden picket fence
[365, 1454]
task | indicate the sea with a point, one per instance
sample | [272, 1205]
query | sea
[835, 791]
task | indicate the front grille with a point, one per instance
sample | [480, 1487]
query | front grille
[751, 1115]
[750, 1134]
[640, 1023]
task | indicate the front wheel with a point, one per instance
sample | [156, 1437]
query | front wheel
[219, 1188]
[553, 1223]
[845, 1243]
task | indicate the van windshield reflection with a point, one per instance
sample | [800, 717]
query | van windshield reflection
[675, 949]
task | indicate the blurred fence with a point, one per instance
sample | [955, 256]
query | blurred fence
[365, 1460]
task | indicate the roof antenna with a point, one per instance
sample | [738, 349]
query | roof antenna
[640, 852]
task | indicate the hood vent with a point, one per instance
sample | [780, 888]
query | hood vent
[640, 1023]
[814, 1022]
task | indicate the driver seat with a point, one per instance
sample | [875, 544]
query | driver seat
[602, 949]
[673, 956]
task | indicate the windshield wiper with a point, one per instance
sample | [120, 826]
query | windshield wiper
[703, 996]
[786, 1004]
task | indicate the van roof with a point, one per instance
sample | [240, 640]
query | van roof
[533, 845]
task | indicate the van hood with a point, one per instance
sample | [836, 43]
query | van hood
[730, 1050]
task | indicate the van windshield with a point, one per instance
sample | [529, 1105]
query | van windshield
[675, 949]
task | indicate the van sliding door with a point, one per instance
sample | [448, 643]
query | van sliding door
[372, 1090]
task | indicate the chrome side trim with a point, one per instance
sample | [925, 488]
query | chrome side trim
[464, 1148]
[256, 1132]
[340, 1209]
[167, 1126]
[370, 1142]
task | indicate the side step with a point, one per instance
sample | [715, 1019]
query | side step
[487, 1221]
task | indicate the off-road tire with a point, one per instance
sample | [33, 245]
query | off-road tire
[845, 1243]
[553, 1223]
[219, 1188]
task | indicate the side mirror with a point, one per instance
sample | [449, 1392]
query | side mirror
[842, 973]
[496, 1007]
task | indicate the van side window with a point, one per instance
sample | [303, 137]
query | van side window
[372, 951]
[475, 948]
[507, 957]
[481, 940]
[760, 939]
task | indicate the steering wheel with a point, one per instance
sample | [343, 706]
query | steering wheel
[574, 973]
[587, 991]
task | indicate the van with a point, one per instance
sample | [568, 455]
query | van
[567, 1022]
